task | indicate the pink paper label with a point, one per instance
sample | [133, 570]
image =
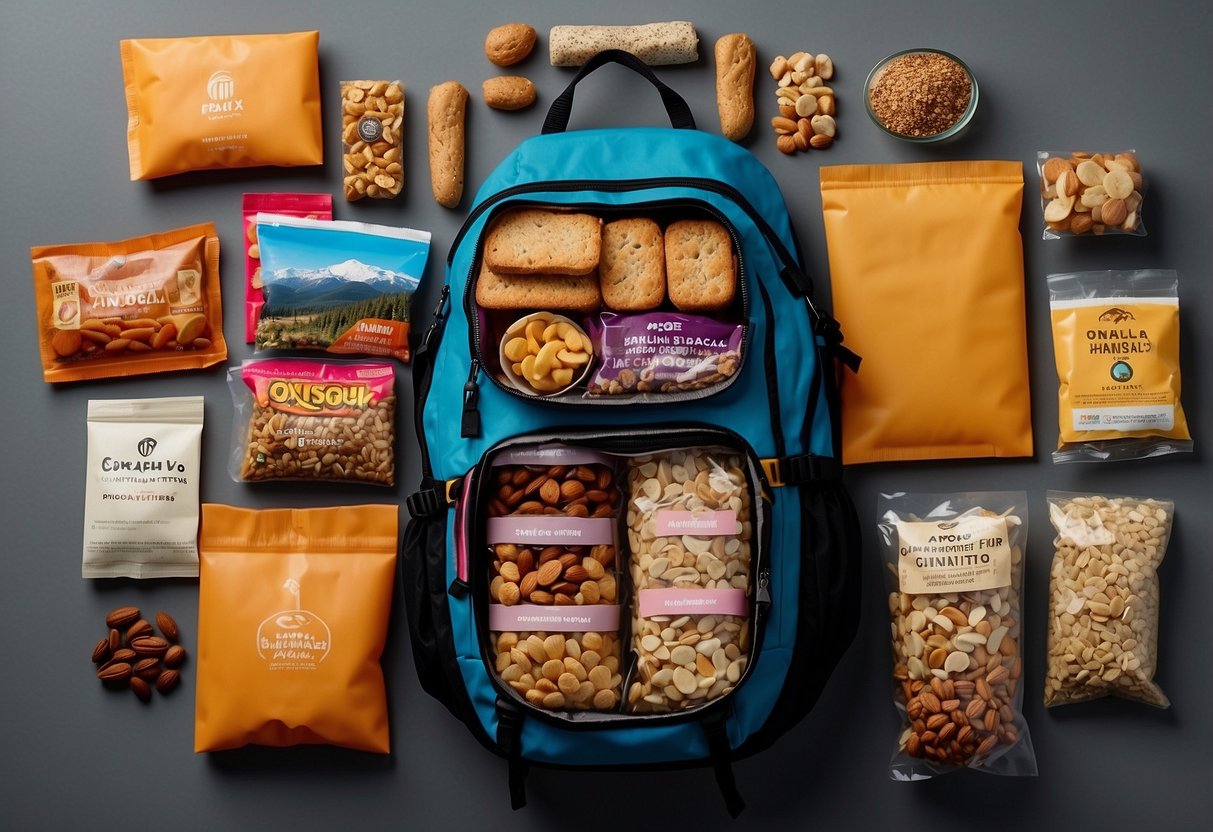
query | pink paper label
[692, 602]
[550, 530]
[596, 618]
[672, 523]
[550, 455]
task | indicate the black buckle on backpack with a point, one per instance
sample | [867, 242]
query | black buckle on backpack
[830, 331]
[800, 470]
[722, 761]
[434, 498]
[509, 740]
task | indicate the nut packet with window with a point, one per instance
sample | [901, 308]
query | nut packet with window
[144, 305]
[1116, 344]
[372, 137]
[310, 420]
[293, 609]
[955, 573]
[1103, 597]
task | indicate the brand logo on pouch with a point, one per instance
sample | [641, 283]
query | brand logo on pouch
[295, 639]
[1115, 315]
[221, 90]
[946, 526]
[1121, 371]
[370, 129]
[146, 446]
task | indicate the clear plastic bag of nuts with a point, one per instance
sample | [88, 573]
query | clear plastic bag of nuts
[372, 136]
[1103, 597]
[955, 568]
[1090, 193]
[690, 525]
[553, 609]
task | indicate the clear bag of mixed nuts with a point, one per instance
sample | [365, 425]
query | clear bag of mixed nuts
[955, 569]
[690, 527]
[1103, 597]
[298, 419]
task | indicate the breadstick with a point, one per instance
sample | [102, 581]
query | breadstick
[656, 44]
[735, 60]
[446, 110]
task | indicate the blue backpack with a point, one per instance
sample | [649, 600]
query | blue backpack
[778, 414]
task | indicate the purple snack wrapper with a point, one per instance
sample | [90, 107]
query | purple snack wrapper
[662, 352]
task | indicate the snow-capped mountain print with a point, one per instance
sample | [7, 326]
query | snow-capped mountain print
[348, 282]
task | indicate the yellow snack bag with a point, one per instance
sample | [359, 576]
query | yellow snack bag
[1116, 343]
[292, 615]
[221, 102]
[926, 268]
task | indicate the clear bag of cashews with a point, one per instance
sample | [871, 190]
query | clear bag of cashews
[690, 525]
[1103, 597]
[955, 567]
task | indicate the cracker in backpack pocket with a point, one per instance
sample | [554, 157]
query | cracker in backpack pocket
[632, 271]
[578, 293]
[701, 271]
[534, 241]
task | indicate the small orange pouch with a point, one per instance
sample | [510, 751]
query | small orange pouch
[292, 616]
[233, 101]
[143, 305]
[926, 267]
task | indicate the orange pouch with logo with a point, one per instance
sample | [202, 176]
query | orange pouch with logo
[292, 615]
[1116, 342]
[926, 267]
[143, 305]
[221, 102]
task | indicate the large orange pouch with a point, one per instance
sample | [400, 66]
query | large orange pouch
[292, 616]
[143, 305]
[926, 267]
[233, 101]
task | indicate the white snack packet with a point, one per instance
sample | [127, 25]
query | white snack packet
[141, 491]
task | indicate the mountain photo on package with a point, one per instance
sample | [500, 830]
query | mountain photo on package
[336, 286]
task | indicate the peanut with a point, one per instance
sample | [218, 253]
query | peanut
[545, 355]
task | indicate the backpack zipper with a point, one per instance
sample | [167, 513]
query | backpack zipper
[471, 419]
[627, 443]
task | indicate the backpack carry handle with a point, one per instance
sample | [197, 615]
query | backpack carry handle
[558, 115]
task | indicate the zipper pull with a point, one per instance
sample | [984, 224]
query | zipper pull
[470, 426]
[440, 313]
[763, 595]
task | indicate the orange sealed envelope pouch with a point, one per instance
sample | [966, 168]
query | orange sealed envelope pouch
[292, 616]
[218, 101]
[926, 268]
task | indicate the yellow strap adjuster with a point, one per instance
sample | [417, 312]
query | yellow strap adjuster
[452, 484]
[770, 467]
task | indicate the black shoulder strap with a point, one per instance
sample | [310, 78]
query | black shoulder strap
[722, 761]
[509, 740]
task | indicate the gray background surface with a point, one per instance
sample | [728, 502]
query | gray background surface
[1115, 74]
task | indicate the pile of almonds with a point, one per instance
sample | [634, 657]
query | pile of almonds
[572, 490]
[561, 575]
[133, 656]
[806, 105]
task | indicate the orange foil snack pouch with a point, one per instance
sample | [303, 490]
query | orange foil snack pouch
[926, 267]
[233, 101]
[292, 616]
[143, 305]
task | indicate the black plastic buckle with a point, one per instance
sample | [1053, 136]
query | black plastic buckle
[434, 498]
